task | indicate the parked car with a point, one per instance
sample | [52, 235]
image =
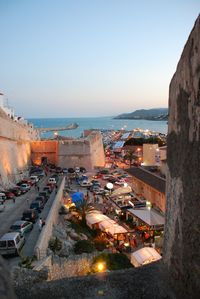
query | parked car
[44, 194]
[34, 178]
[2, 205]
[71, 170]
[48, 189]
[37, 205]
[2, 196]
[58, 170]
[85, 184]
[25, 187]
[82, 169]
[11, 243]
[52, 180]
[98, 190]
[9, 195]
[96, 183]
[16, 190]
[77, 169]
[41, 198]
[22, 227]
[65, 170]
[30, 215]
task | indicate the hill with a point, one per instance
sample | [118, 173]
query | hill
[148, 114]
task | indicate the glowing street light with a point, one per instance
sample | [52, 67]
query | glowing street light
[101, 266]
[109, 186]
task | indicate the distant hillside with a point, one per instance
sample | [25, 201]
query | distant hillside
[148, 114]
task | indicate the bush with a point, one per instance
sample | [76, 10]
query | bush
[100, 245]
[83, 246]
[114, 261]
[55, 244]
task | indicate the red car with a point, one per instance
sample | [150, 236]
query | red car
[9, 195]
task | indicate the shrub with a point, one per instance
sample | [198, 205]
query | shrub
[83, 246]
[114, 261]
[55, 244]
[100, 244]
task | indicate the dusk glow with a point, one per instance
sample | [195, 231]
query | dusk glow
[90, 58]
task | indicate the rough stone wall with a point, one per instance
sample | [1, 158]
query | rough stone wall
[182, 242]
[44, 148]
[52, 219]
[72, 266]
[15, 157]
[87, 152]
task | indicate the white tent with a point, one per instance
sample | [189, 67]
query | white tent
[144, 256]
[116, 229]
[150, 217]
[95, 217]
[104, 225]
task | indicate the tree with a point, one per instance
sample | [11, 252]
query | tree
[130, 156]
[83, 208]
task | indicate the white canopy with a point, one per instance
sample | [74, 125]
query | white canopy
[144, 256]
[105, 223]
[95, 217]
[122, 190]
[150, 217]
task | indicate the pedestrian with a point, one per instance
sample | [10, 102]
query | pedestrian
[27, 200]
[43, 222]
[38, 188]
[40, 224]
[13, 199]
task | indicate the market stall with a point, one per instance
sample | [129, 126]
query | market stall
[144, 256]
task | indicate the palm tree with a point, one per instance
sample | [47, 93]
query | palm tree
[129, 156]
[83, 208]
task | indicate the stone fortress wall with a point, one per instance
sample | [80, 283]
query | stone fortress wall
[87, 152]
[15, 149]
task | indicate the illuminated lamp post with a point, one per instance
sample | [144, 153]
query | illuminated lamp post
[109, 186]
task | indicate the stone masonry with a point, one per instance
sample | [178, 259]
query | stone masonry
[182, 242]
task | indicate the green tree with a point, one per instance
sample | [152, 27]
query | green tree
[130, 156]
[83, 208]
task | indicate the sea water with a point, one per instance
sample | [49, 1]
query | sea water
[102, 123]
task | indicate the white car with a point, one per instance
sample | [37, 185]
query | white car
[85, 184]
[34, 178]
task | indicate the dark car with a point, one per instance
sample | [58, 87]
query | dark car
[30, 215]
[58, 170]
[41, 198]
[71, 170]
[48, 189]
[82, 169]
[37, 205]
[44, 194]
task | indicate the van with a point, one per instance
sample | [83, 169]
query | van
[34, 178]
[11, 243]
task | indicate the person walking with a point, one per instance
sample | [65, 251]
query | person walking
[13, 199]
[27, 200]
[40, 224]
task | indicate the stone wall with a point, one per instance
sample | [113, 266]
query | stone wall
[72, 266]
[182, 242]
[15, 158]
[51, 220]
[44, 148]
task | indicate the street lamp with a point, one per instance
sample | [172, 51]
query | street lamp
[109, 186]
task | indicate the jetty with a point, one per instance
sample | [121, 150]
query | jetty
[52, 129]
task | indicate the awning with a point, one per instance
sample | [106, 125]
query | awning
[122, 190]
[144, 256]
[150, 217]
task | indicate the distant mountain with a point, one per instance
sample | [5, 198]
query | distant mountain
[148, 114]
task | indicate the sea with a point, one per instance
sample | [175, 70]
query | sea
[101, 123]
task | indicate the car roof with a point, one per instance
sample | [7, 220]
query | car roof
[9, 236]
[19, 222]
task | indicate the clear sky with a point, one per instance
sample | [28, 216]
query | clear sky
[73, 58]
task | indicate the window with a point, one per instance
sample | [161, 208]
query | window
[17, 239]
[2, 244]
[11, 243]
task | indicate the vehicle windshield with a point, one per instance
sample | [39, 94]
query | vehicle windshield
[15, 227]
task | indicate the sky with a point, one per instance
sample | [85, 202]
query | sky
[88, 58]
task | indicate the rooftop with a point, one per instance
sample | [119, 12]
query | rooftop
[148, 178]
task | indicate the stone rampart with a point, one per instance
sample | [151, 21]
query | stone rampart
[51, 220]
[44, 148]
[72, 266]
[15, 157]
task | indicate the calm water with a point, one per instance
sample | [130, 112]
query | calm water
[97, 123]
